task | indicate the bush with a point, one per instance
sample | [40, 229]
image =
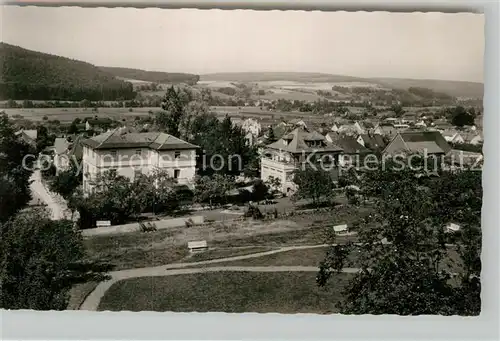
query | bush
[253, 212]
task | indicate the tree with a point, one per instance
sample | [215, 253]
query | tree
[114, 198]
[173, 105]
[43, 139]
[259, 190]
[270, 136]
[66, 182]
[398, 110]
[461, 117]
[274, 184]
[405, 264]
[214, 189]
[230, 155]
[157, 192]
[40, 261]
[314, 184]
[16, 167]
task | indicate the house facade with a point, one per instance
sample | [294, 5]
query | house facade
[133, 154]
[296, 150]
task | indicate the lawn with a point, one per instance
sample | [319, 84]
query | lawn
[235, 292]
[134, 250]
[225, 253]
[313, 257]
[138, 249]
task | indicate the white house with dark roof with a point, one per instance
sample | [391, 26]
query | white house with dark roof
[132, 154]
[295, 150]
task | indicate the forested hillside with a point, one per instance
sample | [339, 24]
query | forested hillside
[152, 76]
[34, 75]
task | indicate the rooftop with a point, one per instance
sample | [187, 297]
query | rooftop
[303, 140]
[121, 139]
[430, 141]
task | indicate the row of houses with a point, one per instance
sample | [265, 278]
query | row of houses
[132, 153]
[281, 158]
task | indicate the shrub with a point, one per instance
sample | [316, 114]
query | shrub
[253, 212]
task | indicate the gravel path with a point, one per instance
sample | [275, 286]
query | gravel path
[57, 211]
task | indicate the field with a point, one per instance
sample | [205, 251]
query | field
[232, 292]
[69, 114]
[453, 88]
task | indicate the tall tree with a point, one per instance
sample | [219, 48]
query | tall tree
[315, 184]
[16, 167]
[66, 182]
[40, 261]
[461, 117]
[214, 189]
[406, 267]
[173, 105]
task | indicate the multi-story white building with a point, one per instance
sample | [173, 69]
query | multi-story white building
[132, 154]
[295, 150]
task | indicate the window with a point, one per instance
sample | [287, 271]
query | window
[137, 173]
[177, 154]
[138, 152]
[177, 173]
[113, 154]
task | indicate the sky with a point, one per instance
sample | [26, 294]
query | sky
[363, 44]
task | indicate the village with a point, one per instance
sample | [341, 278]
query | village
[130, 189]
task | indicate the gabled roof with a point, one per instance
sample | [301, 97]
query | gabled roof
[373, 141]
[76, 148]
[387, 129]
[116, 139]
[61, 145]
[431, 142]
[348, 143]
[297, 142]
[31, 133]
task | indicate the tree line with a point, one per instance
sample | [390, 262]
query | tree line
[39, 76]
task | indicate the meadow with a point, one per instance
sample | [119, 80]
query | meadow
[232, 292]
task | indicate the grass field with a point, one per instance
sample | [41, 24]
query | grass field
[235, 292]
[69, 114]
[138, 249]
[224, 253]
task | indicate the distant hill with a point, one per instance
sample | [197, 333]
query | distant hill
[28, 74]
[152, 76]
[453, 88]
[278, 76]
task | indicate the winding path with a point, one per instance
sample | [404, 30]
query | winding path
[57, 211]
[92, 301]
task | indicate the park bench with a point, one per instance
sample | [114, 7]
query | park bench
[147, 227]
[197, 246]
[341, 229]
[103, 223]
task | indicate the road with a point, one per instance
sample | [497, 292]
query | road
[92, 301]
[57, 210]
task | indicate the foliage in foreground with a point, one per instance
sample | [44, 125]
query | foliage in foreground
[403, 248]
[40, 261]
[15, 192]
